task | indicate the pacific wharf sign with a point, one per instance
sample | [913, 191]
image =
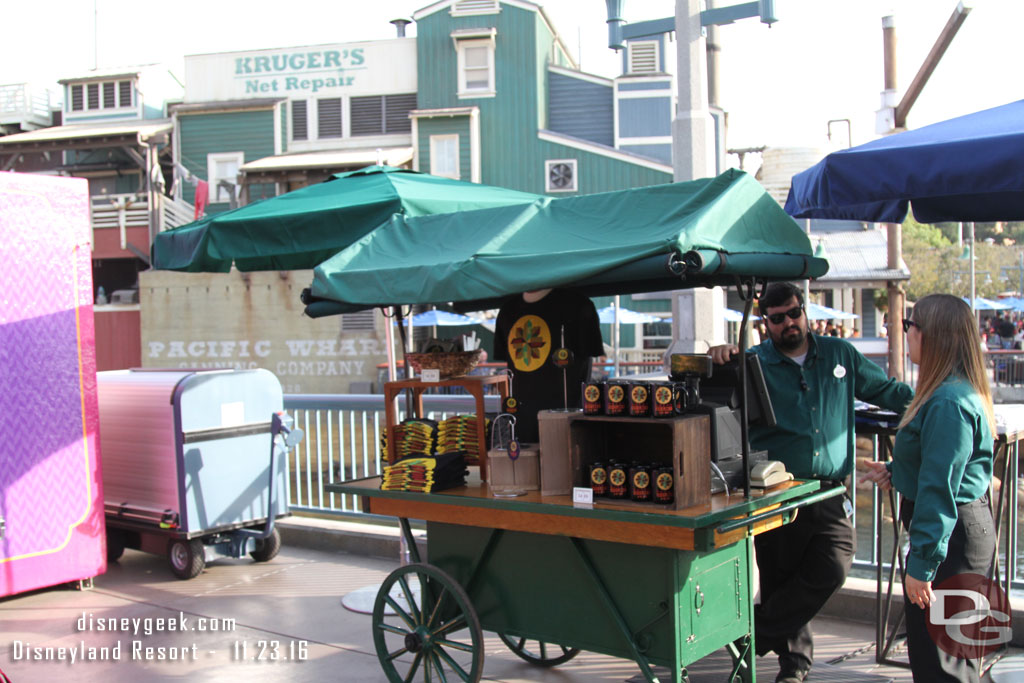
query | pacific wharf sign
[309, 70]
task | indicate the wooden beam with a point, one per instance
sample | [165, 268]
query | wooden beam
[931, 61]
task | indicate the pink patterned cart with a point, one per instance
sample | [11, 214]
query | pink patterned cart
[51, 498]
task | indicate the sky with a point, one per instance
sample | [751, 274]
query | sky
[780, 85]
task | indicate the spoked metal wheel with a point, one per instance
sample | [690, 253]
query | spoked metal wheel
[538, 652]
[430, 635]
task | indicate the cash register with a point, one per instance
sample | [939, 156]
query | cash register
[718, 388]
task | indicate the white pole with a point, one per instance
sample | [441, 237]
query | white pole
[615, 334]
[972, 266]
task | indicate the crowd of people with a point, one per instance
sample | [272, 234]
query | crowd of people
[999, 332]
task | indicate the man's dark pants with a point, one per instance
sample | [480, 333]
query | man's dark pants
[801, 564]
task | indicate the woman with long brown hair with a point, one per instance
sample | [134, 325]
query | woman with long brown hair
[942, 465]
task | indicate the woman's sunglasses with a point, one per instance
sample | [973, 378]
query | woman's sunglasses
[908, 323]
[792, 314]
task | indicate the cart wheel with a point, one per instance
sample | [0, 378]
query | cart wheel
[115, 545]
[538, 652]
[269, 547]
[432, 634]
[187, 557]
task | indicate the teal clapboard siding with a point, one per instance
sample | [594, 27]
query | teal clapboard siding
[511, 153]
[580, 108]
[645, 116]
[446, 125]
[250, 132]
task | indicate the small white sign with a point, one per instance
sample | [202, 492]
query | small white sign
[582, 495]
[430, 375]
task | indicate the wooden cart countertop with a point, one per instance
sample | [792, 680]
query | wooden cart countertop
[691, 528]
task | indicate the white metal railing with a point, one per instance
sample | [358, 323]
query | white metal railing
[121, 211]
[343, 442]
[175, 212]
[21, 104]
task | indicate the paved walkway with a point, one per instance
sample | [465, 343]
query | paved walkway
[293, 601]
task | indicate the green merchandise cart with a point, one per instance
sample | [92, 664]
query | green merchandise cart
[658, 586]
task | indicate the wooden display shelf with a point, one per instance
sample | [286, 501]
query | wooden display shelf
[682, 443]
[474, 385]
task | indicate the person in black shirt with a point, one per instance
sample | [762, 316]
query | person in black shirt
[528, 329]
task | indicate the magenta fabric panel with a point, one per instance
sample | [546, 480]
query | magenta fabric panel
[50, 485]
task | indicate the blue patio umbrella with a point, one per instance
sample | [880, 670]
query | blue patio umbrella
[442, 318]
[606, 315]
[819, 312]
[983, 304]
[963, 169]
[730, 316]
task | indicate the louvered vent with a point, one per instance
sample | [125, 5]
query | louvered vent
[329, 118]
[109, 95]
[300, 124]
[357, 322]
[643, 57]
[94, 95]
[367, 115]
[77, 98]
[396, 113]
[125, 94]
[475, 7]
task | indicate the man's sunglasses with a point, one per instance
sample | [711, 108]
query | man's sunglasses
[792, 314]
[908, 323]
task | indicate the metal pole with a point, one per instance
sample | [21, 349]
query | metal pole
[615, 334]
[971, 233]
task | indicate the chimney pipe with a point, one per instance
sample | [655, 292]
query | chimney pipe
[400, 25]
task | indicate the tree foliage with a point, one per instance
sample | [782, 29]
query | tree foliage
[937, 264]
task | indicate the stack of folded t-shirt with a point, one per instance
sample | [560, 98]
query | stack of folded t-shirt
[416, 436]
[461, 433]
[425, 473]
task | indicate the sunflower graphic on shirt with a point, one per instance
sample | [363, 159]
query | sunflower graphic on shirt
[529, 343]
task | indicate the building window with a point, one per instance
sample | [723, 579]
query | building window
[300, 121]
[381, 114]
[444, 156]
[105, 95]
[328, 118]
[560, 175]
[476, 68]
[223, 167]
[643, 57]
[657, 335]
[465, 8]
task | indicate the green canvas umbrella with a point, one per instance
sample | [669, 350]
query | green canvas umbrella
[305, 227]
[699, 233]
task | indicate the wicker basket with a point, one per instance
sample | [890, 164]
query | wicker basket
[449, 364]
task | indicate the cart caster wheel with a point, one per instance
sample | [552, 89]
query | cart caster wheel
[115, 545]
[537, 652]
[270, 547]
[186, 557]
[431, 635]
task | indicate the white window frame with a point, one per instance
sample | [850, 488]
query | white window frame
[575, 175]
[211, 176]
[86, 109]
[463, 45]
[435, 144]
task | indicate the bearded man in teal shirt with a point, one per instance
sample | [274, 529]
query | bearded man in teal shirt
[813, 382]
